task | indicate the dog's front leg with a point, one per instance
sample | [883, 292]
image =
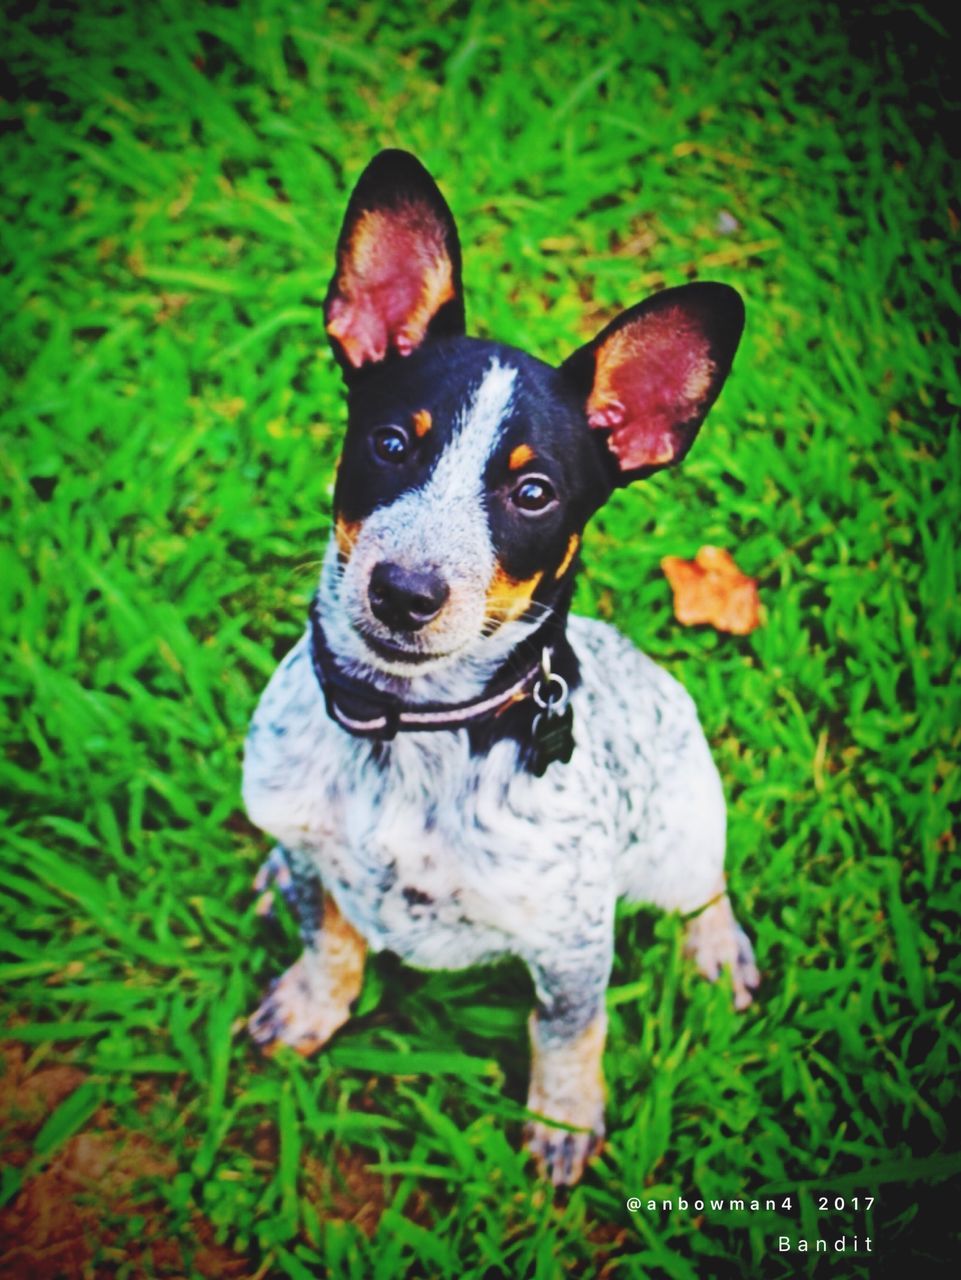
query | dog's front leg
[567, 1031]
[306, 1005]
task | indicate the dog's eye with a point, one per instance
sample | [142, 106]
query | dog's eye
[534, 494]
[391, 444]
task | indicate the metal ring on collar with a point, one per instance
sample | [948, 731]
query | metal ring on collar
[551, 703]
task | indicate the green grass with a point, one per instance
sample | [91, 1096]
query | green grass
[174, 180]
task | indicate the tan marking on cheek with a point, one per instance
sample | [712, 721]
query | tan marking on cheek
[569, 555]
[422, 423]
[508, 598]
[520, 456]
[345, 534]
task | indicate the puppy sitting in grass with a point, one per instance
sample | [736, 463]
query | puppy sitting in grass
[457, 769]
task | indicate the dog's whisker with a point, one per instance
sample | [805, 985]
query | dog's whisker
[307, 566]
[502, 613]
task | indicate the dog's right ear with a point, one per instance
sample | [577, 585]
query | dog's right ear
[398, 276]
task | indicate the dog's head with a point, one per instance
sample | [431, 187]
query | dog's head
[470, 468]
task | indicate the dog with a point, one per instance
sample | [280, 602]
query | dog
[455, 768]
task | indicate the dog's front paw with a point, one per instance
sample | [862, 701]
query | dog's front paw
[717, 942]
[567, 1087]
[575, 1099]
[298, 1010]
[560, 1154]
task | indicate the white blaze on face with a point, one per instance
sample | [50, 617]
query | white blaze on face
[459, 473]
[441, 526]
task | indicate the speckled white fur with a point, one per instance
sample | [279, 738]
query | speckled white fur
[449, 858]
[513, 863]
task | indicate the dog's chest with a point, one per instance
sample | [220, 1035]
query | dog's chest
[449, 859]
[444, 857]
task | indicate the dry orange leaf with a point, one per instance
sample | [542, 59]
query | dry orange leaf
[711, 588]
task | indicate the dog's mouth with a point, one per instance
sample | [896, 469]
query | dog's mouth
[395, 653]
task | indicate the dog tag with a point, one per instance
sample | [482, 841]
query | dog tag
[552, 735]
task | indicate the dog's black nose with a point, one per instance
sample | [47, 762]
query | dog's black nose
[405, 599]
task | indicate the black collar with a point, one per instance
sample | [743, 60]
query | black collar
[368, 712]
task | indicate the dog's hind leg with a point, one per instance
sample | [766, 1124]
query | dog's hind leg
[716, 942]
[306, 1005]
[292, 875]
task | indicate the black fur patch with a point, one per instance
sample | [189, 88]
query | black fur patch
[545, 416]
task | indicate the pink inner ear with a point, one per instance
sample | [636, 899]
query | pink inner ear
[651, 378]
[394, 278]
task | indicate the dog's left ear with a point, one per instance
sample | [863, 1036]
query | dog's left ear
[649, 378]
[398, 266]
